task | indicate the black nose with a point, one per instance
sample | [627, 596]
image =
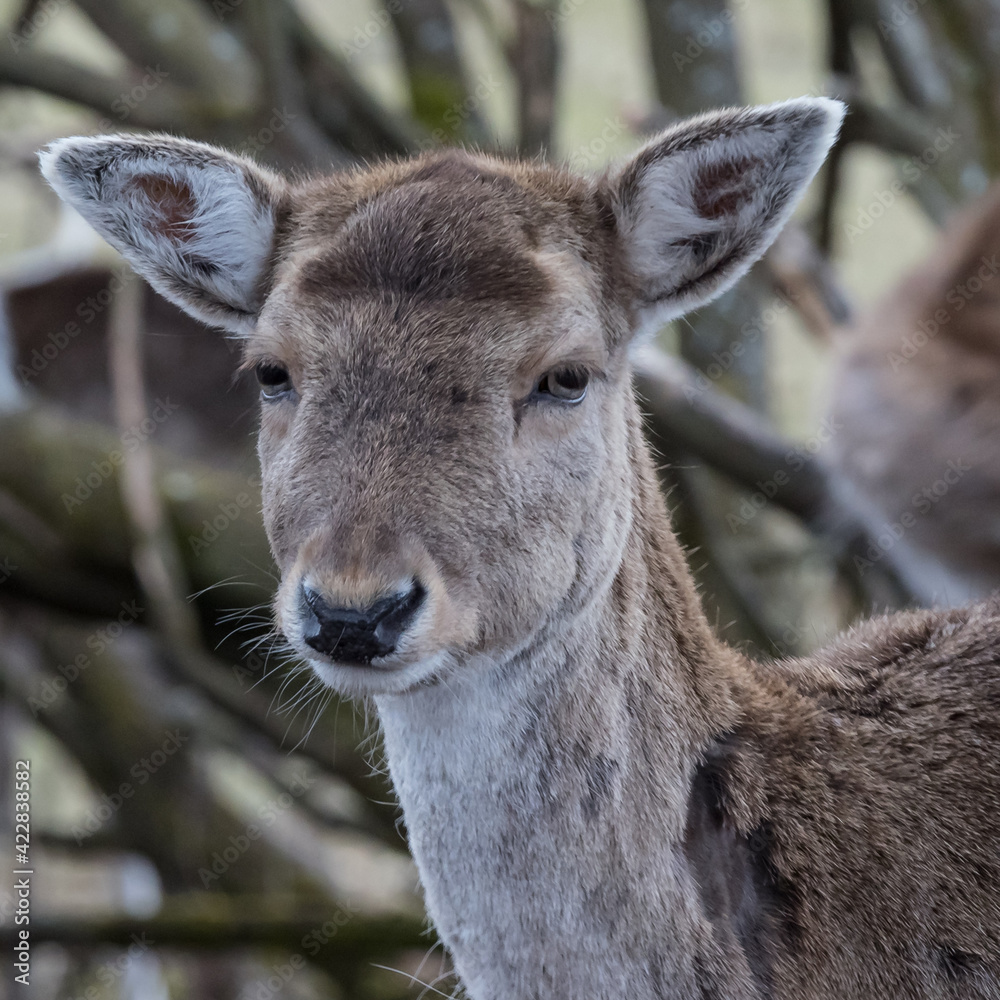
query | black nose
[358, 635]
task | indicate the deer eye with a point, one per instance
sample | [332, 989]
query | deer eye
[565, 385]
[274, 380]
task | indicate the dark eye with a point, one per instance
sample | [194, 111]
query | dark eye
[566, 385]
[274, 379]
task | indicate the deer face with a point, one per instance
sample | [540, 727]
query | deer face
[447, 425]
[442, 403]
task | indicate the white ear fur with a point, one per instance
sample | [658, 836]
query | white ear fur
[195, 221]
[697, 205]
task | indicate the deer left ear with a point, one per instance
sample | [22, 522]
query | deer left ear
[700, 203]
[197, 222]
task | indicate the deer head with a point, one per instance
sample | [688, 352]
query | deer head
[448, 432]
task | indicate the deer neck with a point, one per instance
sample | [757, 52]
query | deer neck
[545, 794]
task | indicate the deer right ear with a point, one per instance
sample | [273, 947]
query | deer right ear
[195, 221]
[700, 203]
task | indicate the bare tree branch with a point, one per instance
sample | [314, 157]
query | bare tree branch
[341, 106]
[692, 44]
[974, 28]
[900, 131]
[912, 55]
[271, 25]
[154, 552]
[164, 107]
[804, 278]
[198, 921]
[842, 66]
[440, 92]
[686, 414]
[534, 57]
[182, 38]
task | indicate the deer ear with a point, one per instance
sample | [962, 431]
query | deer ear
[195, 221]
[700, 203]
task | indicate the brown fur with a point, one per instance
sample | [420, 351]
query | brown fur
[935, 401]
[851, 800]
[587, 771]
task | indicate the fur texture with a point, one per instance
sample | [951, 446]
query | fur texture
[923, 365]
[195, 221]
[603, 800]
[699, 205]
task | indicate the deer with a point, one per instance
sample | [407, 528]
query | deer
[603, 799]
[924, 365]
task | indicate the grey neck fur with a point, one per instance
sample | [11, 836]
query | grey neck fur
[547, 816]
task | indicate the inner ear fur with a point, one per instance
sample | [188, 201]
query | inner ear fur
[196, 221]
[698, 204]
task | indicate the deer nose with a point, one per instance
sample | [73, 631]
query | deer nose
[358, 635]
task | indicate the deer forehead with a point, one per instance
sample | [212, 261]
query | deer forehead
[675, 226]
[455, 264]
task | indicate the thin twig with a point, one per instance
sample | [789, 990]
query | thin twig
[186, 42]
[804, 278]
[534, 58]
[157, 562]
[270, 23]
[164, 106]
[687, 413]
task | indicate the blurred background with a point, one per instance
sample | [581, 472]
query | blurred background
[204, 822]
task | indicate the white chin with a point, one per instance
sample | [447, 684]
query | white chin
[355, 681]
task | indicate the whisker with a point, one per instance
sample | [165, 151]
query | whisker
[322, 703]
[230, 581]
[418, 982]
[310, 692]
[263, 569]
[285, 657]
[241, 614]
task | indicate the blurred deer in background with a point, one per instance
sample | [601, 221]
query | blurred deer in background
[916, 396]
[603, 800]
